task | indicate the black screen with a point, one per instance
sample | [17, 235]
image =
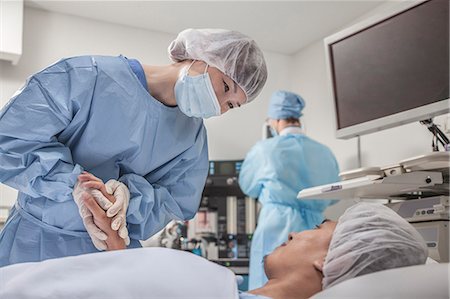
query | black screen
[398, 64]
[225, 168]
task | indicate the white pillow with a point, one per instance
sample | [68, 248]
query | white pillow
[422, 281]
[132, 273]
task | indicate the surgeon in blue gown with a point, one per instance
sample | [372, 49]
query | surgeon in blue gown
[274, 171]
[118, 119]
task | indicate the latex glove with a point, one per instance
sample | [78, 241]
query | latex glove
[97, 189]
[118, 210]
[98, 237]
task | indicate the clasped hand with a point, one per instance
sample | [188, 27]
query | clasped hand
[103, 208]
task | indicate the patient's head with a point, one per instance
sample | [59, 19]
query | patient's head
[367, 238]
[299, 260]
[370, 238]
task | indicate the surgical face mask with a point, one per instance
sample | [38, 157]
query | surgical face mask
[195, 95]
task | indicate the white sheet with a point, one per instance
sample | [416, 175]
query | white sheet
[133, 273]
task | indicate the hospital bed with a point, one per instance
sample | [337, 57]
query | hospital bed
[166, 273]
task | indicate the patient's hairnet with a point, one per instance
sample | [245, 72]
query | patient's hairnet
[285, 104]
[369, 238]
[233, 53]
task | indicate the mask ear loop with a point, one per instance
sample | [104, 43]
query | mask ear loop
[187, 71]
[206, 69]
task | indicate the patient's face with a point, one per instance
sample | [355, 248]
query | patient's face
[301, 253]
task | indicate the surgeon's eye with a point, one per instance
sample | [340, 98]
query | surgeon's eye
[226, 87]
[230, 105]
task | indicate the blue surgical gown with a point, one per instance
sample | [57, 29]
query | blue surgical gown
[274, 171]
[92, 113]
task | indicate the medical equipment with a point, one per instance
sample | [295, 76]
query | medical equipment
[425, 209]
[226, 219]
[372, 186]
[422, 176]
[422, 183]
[439, 136]
[430, 217]
[436, 235]
[377, 81]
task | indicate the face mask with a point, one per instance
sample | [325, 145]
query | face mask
[273, 132]
[195, 95]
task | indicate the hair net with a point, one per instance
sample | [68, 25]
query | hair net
[233, 53]
[369, 238]
[285, 104]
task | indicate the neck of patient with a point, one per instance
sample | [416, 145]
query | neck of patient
[291, 285]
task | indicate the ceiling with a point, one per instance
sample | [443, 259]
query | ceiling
[279, 26]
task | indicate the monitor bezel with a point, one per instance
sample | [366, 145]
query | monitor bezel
[390, 121]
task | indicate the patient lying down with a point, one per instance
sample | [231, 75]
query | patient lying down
[366, 238]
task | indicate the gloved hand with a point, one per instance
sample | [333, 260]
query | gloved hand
[115, 192]
[118, 210]
[97, 235]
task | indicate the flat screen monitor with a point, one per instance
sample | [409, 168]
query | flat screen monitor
[391, 69]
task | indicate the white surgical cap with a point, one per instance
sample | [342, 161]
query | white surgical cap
[368, 238]
[233, 53]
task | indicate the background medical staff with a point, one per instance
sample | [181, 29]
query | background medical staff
[274, 171]
[116, 119]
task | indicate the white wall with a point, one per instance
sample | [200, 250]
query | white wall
[232, 135]
[51, 36]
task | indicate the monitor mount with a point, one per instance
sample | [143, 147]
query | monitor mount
[438, 135]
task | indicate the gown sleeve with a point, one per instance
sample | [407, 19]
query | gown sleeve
[32, 160]
[255, 170]
[175, 196]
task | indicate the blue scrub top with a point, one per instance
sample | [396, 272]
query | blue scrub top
[93, 113]
[274, 171]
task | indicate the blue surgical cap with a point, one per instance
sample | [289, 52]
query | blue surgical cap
[285, 104]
